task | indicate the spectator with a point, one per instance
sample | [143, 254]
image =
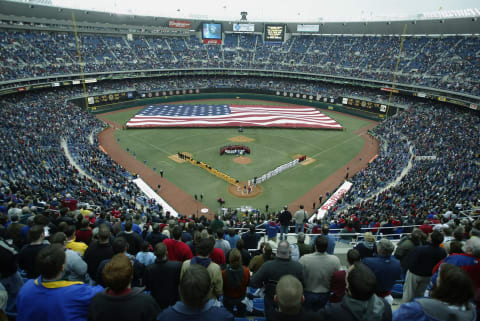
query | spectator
[155, 236]
[302, 247]
[204, 248]
[216, 225]
[119, 301]
[120, 245]
[13, 231]
[196, 303]
[220, 243]
[232, 237]
[78, 247]
[270, 272]
[360, 302]
[450, 300]
[251, 238]
[134, 239]
[99, 250]
[84, 234]
[177, 250]
[300, 218]
[331, 239]
[318, 269]
[75, 267]
[163, 277]
[420, 263]
[468, 261]
[235, 280]
[145, 256]
[258, 260]
[9, 277]
[368, 247]
[246, 258]
[337, 284]
[28, 254]
[386, 268]
[289, 298]
[406, 245]
[45, 299]
[285, 219]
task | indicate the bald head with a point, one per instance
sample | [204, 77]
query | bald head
[289, 294]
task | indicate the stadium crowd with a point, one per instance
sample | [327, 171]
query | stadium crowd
[447, 62]
[74, 247]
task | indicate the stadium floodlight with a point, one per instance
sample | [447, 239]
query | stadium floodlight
[244, 15]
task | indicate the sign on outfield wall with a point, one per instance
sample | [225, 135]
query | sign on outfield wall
[341, 191]
[308, 28]
[179, 24]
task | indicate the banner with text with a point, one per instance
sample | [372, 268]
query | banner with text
[332, 201]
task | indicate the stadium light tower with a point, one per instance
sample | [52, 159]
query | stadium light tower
[244, 15]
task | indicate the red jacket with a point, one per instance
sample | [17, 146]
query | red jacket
[177, 251]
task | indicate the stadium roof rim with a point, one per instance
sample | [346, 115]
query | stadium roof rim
[47, 14]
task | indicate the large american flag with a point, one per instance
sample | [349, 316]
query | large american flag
[231, 116]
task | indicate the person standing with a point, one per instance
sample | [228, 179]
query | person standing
[386, 268]
[300, 218]
[163, 277]
[271, 272]
[45, 298]
[285, 219]
[318, 269]
[119, 301]
[420, 263]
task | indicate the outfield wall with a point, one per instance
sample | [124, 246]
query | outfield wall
[107, 105]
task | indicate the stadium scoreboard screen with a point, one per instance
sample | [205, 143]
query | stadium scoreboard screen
[212, 31]
[274, 32]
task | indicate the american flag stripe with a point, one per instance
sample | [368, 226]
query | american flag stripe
[231, 116]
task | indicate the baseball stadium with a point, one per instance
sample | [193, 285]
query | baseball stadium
[239, 161]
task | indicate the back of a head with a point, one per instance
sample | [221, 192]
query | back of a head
[195, 286]
[119, 245]
[235, 258]
[177, 232]
[35, 232]
[454, 287]
[50, 260]
[472, 246]
[240, 244]
[417, 236]
[232, 232]
[436, 237]
[385, 247]
[267, 252]
[118, 273]
[353, 257]
[325, 229]
[252, 228]
[321, 244]
[361, 282]
[289, 292]
[128, 226]
[160, 250]
[70, 231]
[58, 238]
[204, 247]
[301, 237]
[103, 233]
[283, 250]
[220, 234]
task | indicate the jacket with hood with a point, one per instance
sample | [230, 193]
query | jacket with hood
[427, 309]
[350, 309]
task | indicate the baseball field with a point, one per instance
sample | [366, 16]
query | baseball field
[327, 151]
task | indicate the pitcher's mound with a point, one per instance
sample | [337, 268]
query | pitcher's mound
[242, 160]
[241, 139]
[240, 192]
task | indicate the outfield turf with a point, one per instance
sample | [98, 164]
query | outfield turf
[271, 147]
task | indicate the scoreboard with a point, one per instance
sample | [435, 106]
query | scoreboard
[274, 32]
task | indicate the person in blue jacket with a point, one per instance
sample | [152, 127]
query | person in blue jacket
[48, 298]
